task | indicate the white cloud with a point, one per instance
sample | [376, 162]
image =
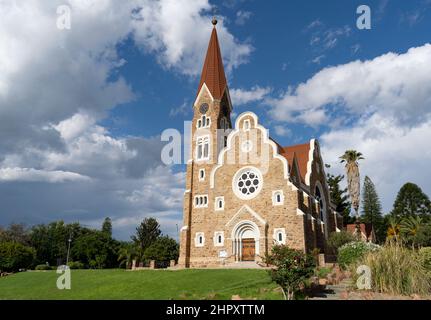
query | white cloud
[242, 96]
[33, 175]
[242, 17]
[282, 131]
[396, 85]
[393, 155]
[178, 31]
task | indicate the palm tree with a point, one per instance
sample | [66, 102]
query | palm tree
[351, 158]
[126, 254]
[410, 227]
[393, 229]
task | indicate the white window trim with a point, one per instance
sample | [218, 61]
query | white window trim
[246, 125]
[235, 180]
[199, 234]
[203, 125]
[274, 197]
[204, 202]
[203, 138]
[277, 231]
[216, 207]
[201, 177]
[216, 235]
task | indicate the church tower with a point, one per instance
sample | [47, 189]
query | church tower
[211, 125]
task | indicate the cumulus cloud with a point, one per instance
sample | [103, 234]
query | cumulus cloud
[393, 155]
[56, 160]
[165, 28]
[242, 17]
[242, 96]
[395, 85]
[30, 174]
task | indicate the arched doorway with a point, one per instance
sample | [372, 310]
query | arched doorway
[245, 241]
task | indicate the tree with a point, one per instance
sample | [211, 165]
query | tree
[15, 233]
[411, 201]
[292, 269]
[107, 226]
[15, 256]
[146, 233]
[339, 197]
[96, 250]
[372, 209]
[163, 249]
[126, 254]
[351, 158]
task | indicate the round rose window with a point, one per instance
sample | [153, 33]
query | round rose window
[247, 183]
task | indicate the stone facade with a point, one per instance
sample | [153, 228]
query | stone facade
[242, 187]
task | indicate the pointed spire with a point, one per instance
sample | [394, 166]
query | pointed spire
[213, 72]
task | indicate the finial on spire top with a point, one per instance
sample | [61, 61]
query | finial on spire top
[214, 21]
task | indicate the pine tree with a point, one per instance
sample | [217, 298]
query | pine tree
[411, 201]
[372, 209]
[339, 197]
[107, 227]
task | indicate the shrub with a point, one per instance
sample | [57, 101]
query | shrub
[396, 270]
[15, 256]
[323, 272]
[76, 265]
[163, 249]
[338, 239]
[43, 267]
[425, 257]
[293, 268]
[353, 251]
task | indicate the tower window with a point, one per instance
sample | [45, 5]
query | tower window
[201, 201]
[199, 239]
[319, 199]
[203, 122]
[201, 174]
[225, 141]
[202, 148]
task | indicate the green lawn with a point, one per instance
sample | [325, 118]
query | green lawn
[148, 284]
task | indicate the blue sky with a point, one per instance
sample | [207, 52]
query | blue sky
[81, 110]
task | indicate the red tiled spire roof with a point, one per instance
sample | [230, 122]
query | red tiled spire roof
[213, 72]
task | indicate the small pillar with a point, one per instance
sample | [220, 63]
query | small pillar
[152, 264]
[133, 264]
[172, 263]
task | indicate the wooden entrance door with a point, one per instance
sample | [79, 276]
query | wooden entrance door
[248, 249]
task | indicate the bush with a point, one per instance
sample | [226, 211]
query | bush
[163, 249]
[425, 257]
[15, 256]
[396, 270]
[353, 251]
[76, 265]
[43, 267]
[293, 268]
[338, 239]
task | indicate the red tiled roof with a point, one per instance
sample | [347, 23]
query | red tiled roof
[301, 152]
[213, 72]
[366, 228]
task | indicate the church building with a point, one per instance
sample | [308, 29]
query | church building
[245, 192]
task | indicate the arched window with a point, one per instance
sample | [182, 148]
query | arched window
[277, 198]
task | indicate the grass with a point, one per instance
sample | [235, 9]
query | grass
[148, 284]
